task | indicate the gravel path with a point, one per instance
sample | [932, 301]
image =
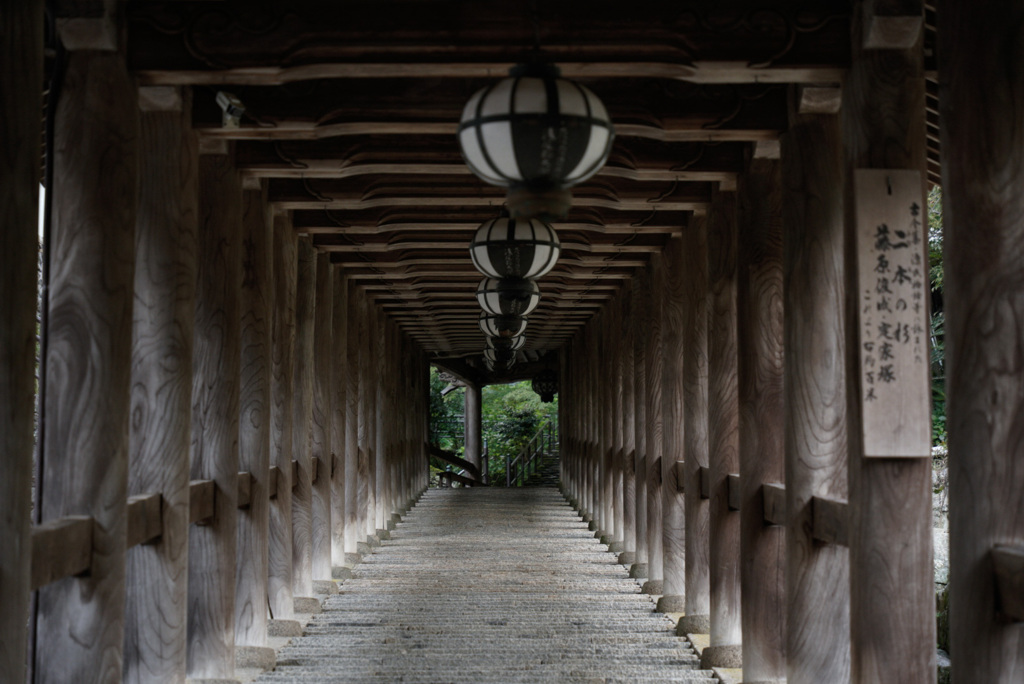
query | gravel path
[489, 585]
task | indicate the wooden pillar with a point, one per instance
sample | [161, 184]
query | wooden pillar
[323, 414]
[473, 424]
[215, 374]
[21, 36]
[615, 421]
[339, 421]
[817, 594]
[673, 521]
[627, 422]
[639, 307]
[84, 454]
[380, 439]
[302, 422]
[279, 581]
[892, 599]
[605, 421]
[352, 427]
[368, 365]
[982, 171]
[723, 428]
[695, 426]
[762, 419]
[365, 416]
[254, 428]
[653, 360]
[161, 395]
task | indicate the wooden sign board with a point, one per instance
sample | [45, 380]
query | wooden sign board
[892, 313]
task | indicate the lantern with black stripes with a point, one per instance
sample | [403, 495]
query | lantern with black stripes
[513, 343]
[508, 295]
[499, 365]
[500, 356]
[502, 325]
[519, 249]
[538, 135]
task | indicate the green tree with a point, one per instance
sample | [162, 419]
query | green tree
[512, 414]
[936, 277]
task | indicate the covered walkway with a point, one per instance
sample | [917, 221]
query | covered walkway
[489, 585]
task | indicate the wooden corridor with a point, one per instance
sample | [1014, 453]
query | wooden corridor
[489, 585]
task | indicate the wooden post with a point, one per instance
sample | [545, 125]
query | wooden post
[379, 466]
[762, 419]
[279, 581]
[673, 521]
[695, 426]
[365, 416]
[323, 414]
[84, 455]
[215, 394]
[21, 35]
[981, 174]
[339, 421]
[639, 307]
[161, 395]
[302, 422]
[653, 374]
[627, 422]
[615, 421]
[254, 428]
[723, 427]
[473, 424]
[817, 594]
[892, 622]
[352, 432]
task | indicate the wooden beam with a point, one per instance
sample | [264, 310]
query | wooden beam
[145, 519]
[735, 491]
[245, 483]
[61, 548]
[704, 473]
[774, 496]
[274, 481]
[892, 24]
[830, 521]
[21, 42]
[201, 501]
[1009, 570]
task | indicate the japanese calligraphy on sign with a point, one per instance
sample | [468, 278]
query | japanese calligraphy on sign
[892, 282]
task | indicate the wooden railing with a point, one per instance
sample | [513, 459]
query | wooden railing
[544, 443]
[468, 473]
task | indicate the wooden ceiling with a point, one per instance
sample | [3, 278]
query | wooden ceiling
[351, 110]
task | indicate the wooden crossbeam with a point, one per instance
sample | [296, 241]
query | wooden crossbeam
[145, 519]
[774, 503]
[61, 548]
[201, 501]
[1009, 568]
[245, 482]
[830, 521]
[732, 483]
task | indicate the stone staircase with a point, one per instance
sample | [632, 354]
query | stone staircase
[548, 473]
[486, 585]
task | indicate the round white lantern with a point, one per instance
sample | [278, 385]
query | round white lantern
[508, 295]
[514, 248]
[501, 325]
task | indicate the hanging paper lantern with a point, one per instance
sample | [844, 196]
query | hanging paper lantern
[501, 325]
[499, 356]
[513, 343]
[508, 295]
[545, 384]
[514, 248]
[536, 134]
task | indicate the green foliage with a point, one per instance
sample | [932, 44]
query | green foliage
[936, 276]
[512, 414]
[446, 423]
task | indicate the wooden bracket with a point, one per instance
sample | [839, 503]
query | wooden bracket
[679, 471]
[314, 469]
[245, 480]
[892, 24]
[61, 548]
[735, 496]
[819, 99]
[295, 473]
[145, 519]
[831, 521]
[87, 24]
[774, 503]
[1009, 567]
[201, 501]
[705, 482]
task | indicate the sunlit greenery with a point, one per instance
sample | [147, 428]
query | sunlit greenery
[936, 275]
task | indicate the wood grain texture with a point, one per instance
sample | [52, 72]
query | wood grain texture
[473, 425]
[830, 521]
[367, 419]
[202, 504]
[695, 413]
[215, 419]
[161, 393]
[892, 618]
[653, 372]
[610, 435]
[774, 496]
[352, 422]
[379, 464]
[323, 413]
[255, 371]
[285, 258]
[639, 309]
[627, 422]
[1008, 562]
[982, 171]
[88, 363]
[145, 519]
[338, 385]
[61, 548]
[673, 530]
[817, 575]
[302, 421]
[21, 44]
[723, 421]
[762, 418]
[616, 423]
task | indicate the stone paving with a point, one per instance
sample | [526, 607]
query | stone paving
[489, 585]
